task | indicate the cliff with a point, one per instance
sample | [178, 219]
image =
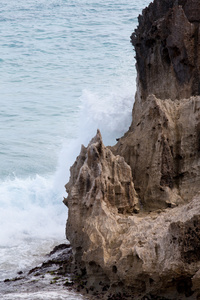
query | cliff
[134, 209]
[163, 149]
[162, 145]
[167, 49]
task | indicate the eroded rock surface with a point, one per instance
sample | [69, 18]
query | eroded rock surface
[163, 149]
[122, 251]
[168, 49]
[100, 182]
[153, 170]
[97, 173]
[134, 254]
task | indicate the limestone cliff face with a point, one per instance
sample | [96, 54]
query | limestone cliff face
[119, 250]
[163, 149]
[134, 209]
[162, 144]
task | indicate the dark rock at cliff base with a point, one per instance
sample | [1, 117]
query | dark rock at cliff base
[55, 272]
[168, 49]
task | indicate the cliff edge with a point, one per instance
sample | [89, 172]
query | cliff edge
[134, 209]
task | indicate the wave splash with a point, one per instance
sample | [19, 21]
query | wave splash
[111, 113]
[32, 215]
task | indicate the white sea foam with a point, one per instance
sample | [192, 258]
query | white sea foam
[32, 214]
[32, 221]
[89, 51]
[47, 295]
[27, 206]
[109, 113]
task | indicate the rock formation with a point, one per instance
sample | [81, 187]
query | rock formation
[167, 49]
[162, 145]
[134, 209]
[100, 183]
[163, 149]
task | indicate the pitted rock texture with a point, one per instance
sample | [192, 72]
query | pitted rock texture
[138, 255]
[162, 147]
[168, 49]
[188, 237]
[100, 181]
[153, 170]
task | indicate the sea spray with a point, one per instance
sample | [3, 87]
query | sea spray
[31, 208]
[111, 113]
[32, 219]
[68, 69]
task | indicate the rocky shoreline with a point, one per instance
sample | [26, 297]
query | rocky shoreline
[54, 274]
[43, 277]
[134, 208]
[58, 271]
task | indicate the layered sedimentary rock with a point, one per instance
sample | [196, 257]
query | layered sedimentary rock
[134, 209]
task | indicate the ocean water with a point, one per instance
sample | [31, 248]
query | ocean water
[67, 68]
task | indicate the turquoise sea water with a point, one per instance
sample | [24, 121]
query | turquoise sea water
[67, 68]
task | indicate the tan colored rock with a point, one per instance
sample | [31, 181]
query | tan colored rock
[155, 167]
[162, 147]
[137, 254]
[99, 181]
